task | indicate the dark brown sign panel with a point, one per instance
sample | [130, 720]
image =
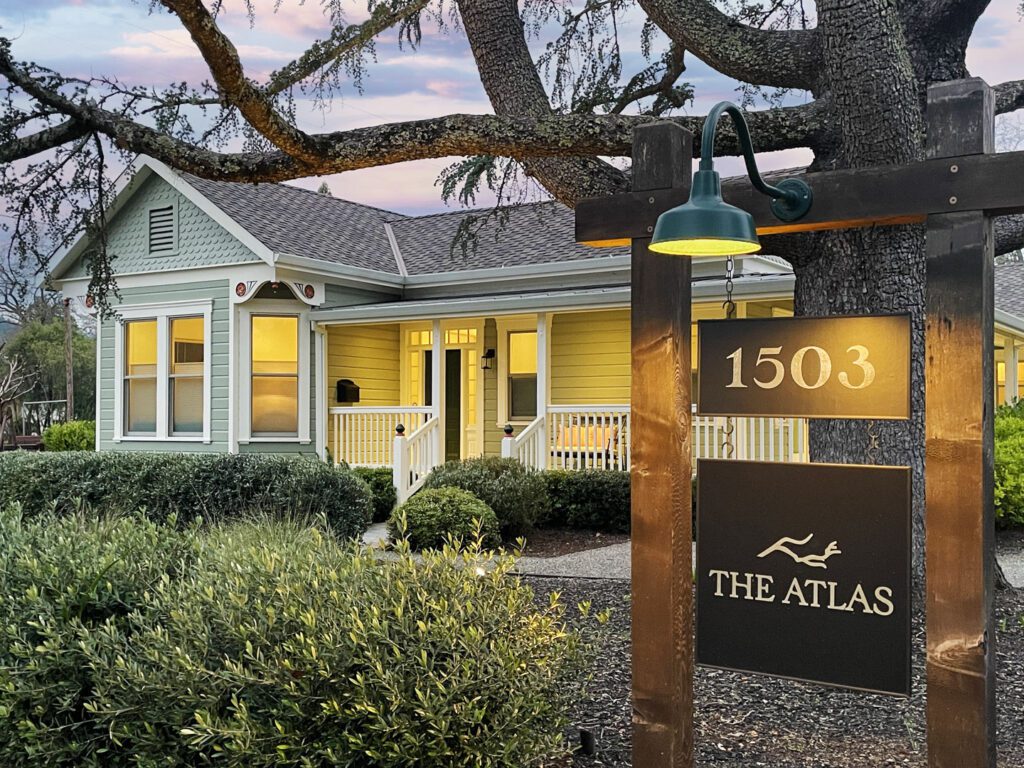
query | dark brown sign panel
[826, 367]
[803, 571]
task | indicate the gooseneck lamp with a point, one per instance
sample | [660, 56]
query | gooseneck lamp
[705, 225]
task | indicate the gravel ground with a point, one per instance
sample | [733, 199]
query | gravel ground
[754, 720]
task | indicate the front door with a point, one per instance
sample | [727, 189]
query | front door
[452, 404]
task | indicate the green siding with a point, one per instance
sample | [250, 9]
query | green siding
[345, 296]
[202, 242]
[214, 289]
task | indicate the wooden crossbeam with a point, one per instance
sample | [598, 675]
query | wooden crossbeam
[842, 199]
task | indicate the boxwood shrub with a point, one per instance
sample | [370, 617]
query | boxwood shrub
[595, 499]
[382, 483]
[436, 515]
[211, 486]
[518, 495]
[127, 642]
[70, 436]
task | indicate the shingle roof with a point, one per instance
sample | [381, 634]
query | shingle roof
[303, 223]
[536, 233]
[1009, 279]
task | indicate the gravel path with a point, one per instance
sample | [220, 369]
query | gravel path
[754, 720]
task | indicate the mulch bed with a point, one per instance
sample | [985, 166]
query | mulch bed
[552, 542]
[754, 720]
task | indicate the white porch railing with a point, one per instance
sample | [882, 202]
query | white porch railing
[363, 437]
[529, 447]
[575, 437]
[415, 456]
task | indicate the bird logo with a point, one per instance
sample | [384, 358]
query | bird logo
[812, 560]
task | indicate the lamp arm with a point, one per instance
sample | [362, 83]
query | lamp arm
[790, 200]
[707, 147]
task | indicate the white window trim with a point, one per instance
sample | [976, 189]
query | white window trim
[281, 307]
[162, 313]
[174, 224]
[507, 325]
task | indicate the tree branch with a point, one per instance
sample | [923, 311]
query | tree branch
[255, 105]
[777, 58]
[1009, 233]
[48, 138]
[1009, 96]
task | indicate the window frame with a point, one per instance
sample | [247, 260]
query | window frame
[127, 377]
[506, 326]
[282, 308]
[162, 313]
[173, 377]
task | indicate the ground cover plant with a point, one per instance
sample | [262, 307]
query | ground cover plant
[130, 642]
[518, 495]
[212, 486]
[435, 516]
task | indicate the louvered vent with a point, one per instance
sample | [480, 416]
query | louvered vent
[162, 235]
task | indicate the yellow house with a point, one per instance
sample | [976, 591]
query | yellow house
[266, 318]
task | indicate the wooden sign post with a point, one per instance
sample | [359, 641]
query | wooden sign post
[956, 191]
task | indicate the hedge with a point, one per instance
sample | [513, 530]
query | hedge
[211, 486]
[1008, 491]
[70, 436]
[127, 642]
[435, 516]
[595, 499]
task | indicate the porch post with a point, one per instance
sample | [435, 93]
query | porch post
[1010, 366]
[543, 394]
[436, 384]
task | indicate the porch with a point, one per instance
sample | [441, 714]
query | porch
[550, 389]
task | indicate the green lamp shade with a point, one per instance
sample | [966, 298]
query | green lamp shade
[705, 225]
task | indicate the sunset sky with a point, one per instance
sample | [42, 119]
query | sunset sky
[123, 39]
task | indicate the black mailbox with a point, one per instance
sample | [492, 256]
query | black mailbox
[348, 391]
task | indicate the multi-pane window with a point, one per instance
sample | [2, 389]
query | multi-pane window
[140, 377]
[275, 375]
[522, 375]
[186, 382]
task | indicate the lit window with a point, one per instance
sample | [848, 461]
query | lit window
[186, 385]
[522, 375]
[140, 376]
[275, 375]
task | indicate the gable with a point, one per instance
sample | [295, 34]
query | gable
[189, 238]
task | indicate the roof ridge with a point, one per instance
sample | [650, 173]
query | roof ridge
[468, 211]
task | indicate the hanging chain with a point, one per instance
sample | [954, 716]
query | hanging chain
[730, 313]
[873, 447]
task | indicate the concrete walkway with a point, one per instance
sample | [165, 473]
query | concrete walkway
[612, 562]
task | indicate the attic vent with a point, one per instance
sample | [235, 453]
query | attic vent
[163, 235]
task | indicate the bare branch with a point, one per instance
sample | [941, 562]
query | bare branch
[255, 105]
[1009, 233]
[778, 58]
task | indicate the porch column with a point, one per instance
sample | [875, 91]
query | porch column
[543, 356]
[436, 384]
[1010, 373]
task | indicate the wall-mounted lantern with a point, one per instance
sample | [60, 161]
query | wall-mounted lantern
[487, 359]
[705, 225]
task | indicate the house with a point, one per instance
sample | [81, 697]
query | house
[266, 318]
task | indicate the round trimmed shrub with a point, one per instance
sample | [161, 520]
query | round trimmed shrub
[131, 643]
[435, 516]
[70, 436]
[518, 496]
[210, 486]
[593, 499]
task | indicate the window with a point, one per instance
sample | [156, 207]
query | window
[140, 377]
[163, 230]
[186, 375]
[522, 375]
[275, 375]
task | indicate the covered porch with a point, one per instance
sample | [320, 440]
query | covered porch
[550, 388]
